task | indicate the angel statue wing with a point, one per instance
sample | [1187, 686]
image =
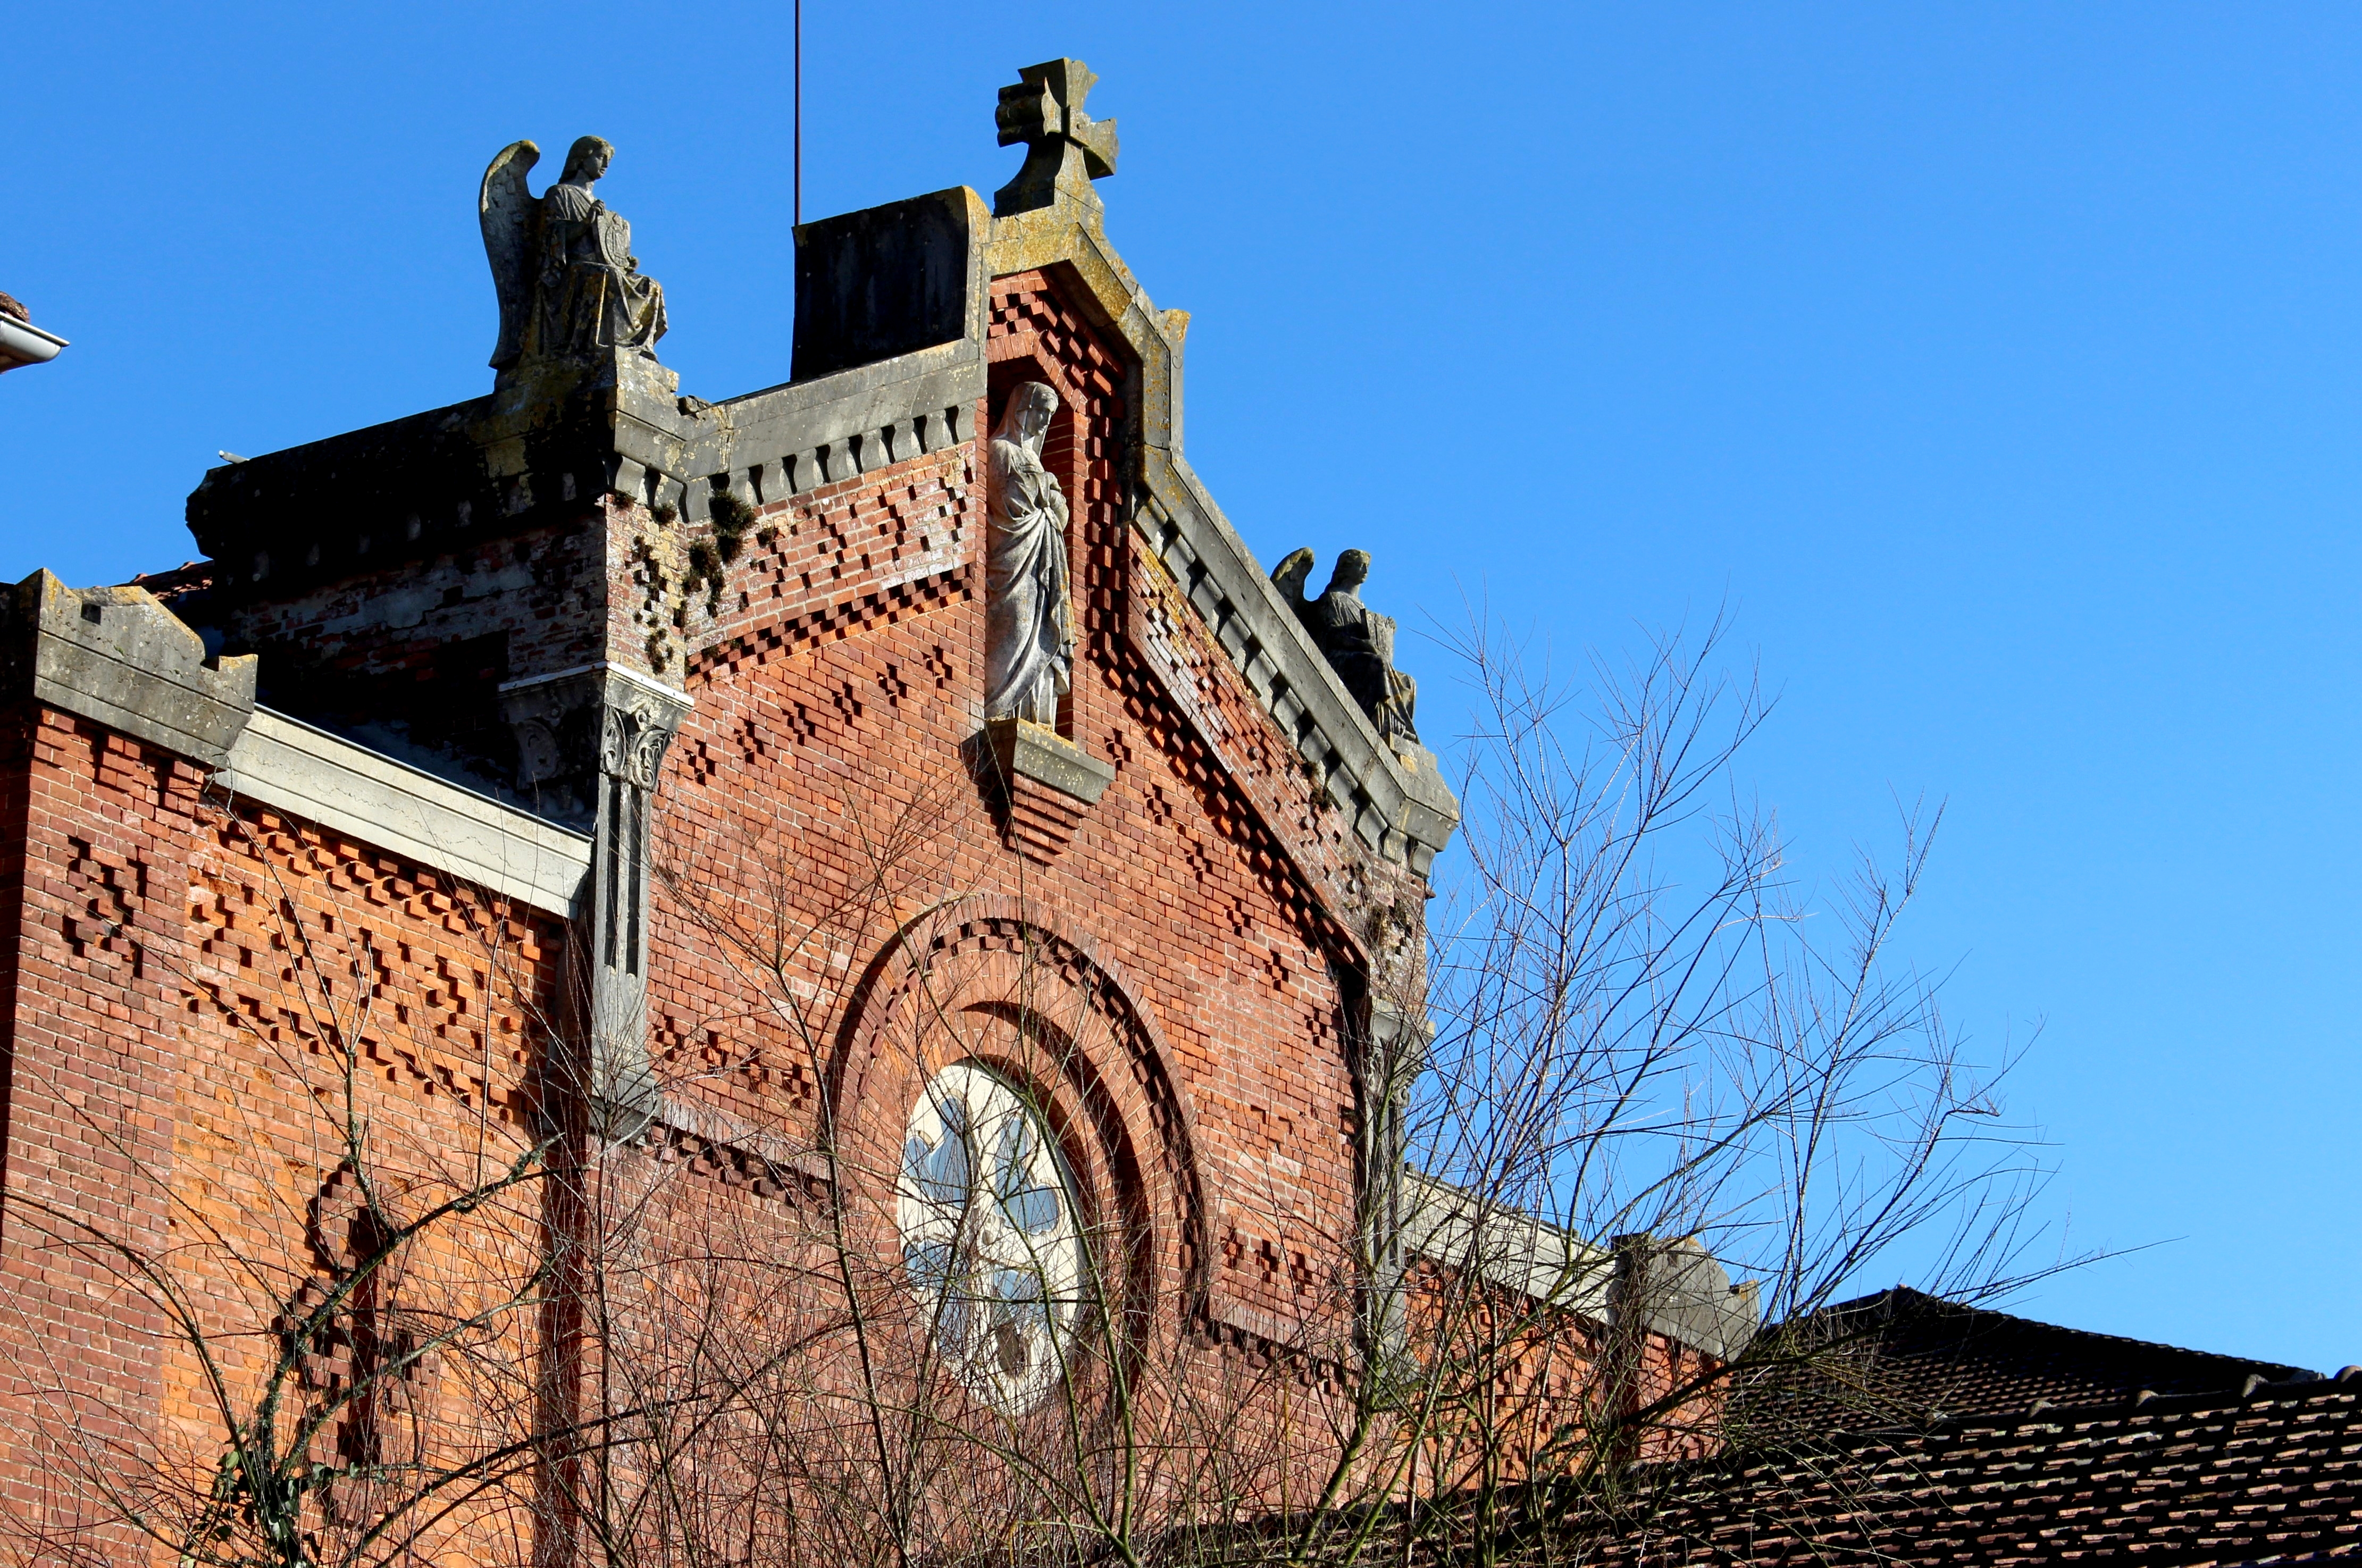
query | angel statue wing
[1288, 577]
[507, 210]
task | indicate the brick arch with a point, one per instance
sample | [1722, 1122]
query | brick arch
[1087, 1046]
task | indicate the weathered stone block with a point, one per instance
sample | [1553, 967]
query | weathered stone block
[1030, 751]
[117, 656]
[885, 281]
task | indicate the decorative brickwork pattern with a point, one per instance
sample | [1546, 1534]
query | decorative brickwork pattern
[836, 733]
[272, 896]
[1306, 845]
[1035, 334]
[837, 562]
[984, 951]
[94, 850]
[831, 623]
[709, 1159]
[357, 1354]
[330, 992]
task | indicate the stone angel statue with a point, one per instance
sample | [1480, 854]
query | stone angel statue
[1358, 642]
[569, 286]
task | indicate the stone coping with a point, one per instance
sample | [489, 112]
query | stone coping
[295, 768]
[1691, 1301]
[118, 657]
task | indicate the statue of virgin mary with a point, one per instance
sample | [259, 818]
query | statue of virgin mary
[1029, 640]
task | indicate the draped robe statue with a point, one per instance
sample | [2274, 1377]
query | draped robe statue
[569, 286]
[1029, 641]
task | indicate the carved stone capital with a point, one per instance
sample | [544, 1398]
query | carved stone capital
[580, 726]
[590, 742]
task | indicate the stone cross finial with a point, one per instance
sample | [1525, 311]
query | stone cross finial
[1066, 148]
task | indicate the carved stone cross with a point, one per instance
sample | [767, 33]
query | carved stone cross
[1066, 148]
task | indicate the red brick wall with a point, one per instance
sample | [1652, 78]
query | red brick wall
[179, 981]
[837, 869]
[96, 843]
[318, 967]
[416, 652]
[842, 907]
[1511, 1388]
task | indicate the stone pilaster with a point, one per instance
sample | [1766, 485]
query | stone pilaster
[1393, 1053]
[591, 743]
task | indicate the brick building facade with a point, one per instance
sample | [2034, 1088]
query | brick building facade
[549, 1018]
[496, 954]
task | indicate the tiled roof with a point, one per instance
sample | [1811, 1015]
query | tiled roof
[1955, 1437]
[1904, 1357]
[2273, 1475]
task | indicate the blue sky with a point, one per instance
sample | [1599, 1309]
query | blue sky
[1999, 365]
